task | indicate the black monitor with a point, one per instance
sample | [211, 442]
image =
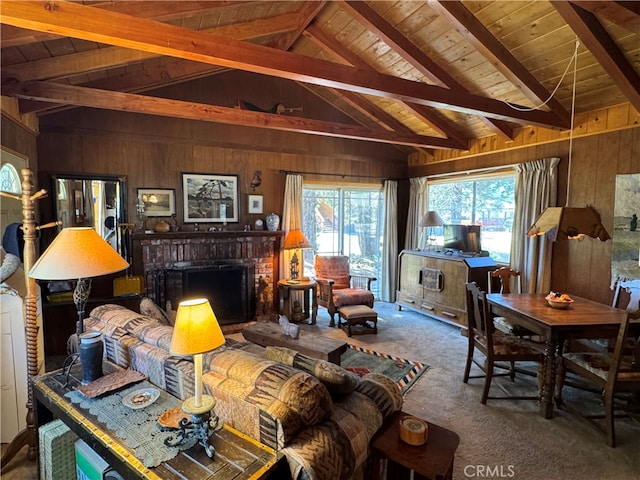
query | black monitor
[465, 238]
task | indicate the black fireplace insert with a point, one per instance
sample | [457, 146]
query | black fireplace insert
[229, 286]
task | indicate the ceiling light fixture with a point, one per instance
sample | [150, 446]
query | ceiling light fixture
[572, 223]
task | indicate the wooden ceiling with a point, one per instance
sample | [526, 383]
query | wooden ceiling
[424, 74]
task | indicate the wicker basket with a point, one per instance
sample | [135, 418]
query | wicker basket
[57, 453]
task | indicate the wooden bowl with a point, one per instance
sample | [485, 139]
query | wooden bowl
[559, 304]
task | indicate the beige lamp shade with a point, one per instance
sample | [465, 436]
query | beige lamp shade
[196, 329]
[569, 222]
[77, 252]
[430, 219]
[295, 239]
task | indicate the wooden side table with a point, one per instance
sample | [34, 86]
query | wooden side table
[431, 461]
[286, 288]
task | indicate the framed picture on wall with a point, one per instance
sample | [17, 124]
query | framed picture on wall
[255, 203]
[209, 197]
[158, 202]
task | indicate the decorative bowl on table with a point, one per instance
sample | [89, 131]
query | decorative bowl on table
[558, 300]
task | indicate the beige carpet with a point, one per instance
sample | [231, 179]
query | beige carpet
[507, 438]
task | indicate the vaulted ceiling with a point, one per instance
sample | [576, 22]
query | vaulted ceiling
[423, 74]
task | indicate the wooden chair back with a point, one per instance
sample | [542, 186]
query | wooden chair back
[506, 276]
[479, 316]
[632, 287]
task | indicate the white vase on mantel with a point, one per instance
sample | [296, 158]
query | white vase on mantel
[273, 222]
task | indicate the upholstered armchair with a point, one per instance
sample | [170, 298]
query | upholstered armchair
[337, 287]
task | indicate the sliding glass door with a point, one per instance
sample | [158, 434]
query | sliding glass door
[345, 221]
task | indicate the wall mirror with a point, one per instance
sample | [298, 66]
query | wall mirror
[97, 201]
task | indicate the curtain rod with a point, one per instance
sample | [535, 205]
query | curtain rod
[287, 172]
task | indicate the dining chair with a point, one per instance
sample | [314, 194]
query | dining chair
[611, 372]
[495, 346]
[337, 287]
[502, 280]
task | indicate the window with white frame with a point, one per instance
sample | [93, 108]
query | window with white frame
[487, 200]
[9, 179]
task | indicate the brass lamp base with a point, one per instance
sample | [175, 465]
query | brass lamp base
[200, 425]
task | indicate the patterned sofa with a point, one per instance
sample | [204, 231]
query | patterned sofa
[318, 415]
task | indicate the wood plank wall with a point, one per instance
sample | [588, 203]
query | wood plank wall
[582, 268]
[152, 152]
[20, 139]
[150, 160]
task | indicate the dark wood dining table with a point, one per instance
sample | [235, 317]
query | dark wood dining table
[581, 319]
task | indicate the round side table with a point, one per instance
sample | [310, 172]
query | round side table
[287, 290]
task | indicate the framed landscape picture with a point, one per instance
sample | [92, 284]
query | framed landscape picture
[209, 197]
[158, 202]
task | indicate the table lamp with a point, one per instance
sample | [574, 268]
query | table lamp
[295, 240]
[429, 220]
[196, 331]
[78, 252]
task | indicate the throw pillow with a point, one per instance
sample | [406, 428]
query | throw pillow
[334, 377]
[150, 309]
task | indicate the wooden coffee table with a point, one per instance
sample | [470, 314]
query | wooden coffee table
[431, 461]
[237, 456]
[270, 335]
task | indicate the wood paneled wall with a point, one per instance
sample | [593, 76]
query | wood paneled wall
[153, 151]
[582, 268]
[22, 140]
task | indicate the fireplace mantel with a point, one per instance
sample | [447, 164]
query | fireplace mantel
[153, 252]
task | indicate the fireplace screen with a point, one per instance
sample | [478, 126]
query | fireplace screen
[230, 288]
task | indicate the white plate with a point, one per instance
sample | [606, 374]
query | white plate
[141, 398]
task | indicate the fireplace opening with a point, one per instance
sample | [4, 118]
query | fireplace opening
[230, 288]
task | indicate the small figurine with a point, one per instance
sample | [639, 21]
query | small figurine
[296, 312]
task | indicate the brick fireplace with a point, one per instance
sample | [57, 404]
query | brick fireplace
[163, 259]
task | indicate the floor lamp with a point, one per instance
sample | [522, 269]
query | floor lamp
[78, 253]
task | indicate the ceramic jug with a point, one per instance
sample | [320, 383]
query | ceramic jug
[273, 222]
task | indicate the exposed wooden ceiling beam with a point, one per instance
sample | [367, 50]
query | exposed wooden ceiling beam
[110, 57]
[157, 10]
[182, 70]
[414, 56]
[626, 14]
[138, 81]
[472, 30]
[129, 102]
[371, 113]
[80, 21]
[598, 41]
[305, 17]
[339, 51]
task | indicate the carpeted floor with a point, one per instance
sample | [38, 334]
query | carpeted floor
[503, 439]
[364, 360]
